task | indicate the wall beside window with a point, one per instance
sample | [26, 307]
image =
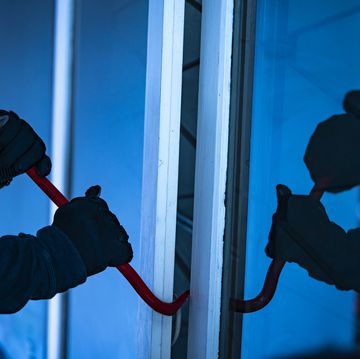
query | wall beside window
[306, 59]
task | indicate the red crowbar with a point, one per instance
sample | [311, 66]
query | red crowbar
[272, 275]
[126, 269]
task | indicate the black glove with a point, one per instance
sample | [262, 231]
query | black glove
[20, 149]
[301, 232]
[332, 154]
[95, 232]
[351, 103]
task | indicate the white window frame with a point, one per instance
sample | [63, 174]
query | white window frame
[210, 178]
[60, 154]
[160, 170]
[160, 173]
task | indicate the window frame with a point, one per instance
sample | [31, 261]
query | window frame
[61, 120]
[238, 175]
[210, 178]
[160, 173]
[160, 170]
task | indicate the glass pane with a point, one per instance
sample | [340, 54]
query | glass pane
[26, 39]
[108, 148]
[306, 59]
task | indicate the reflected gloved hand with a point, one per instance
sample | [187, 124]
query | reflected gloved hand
[301, 232]
[20, 148]
[95, 232]
[351, 103]
[333, 153]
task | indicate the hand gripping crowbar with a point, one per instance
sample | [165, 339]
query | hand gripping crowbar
[126, 269]
[273, 273]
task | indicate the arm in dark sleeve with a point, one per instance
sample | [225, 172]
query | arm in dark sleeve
[37, 267]
[309, 238]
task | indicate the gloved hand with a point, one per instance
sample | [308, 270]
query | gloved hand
[351, 103]
[333, 153]
[301, 232]
[20, 148]
[95, 231]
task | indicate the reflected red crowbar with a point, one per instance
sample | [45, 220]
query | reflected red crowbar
[272, 275]
[126, 269]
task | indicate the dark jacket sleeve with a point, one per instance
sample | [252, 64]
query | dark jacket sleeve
[37, 267]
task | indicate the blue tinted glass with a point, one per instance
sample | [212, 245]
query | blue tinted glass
[306, 58]
[108, 148]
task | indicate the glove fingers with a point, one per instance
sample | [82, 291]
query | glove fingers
[115, 220]
[332, 153]
[93, 194]
[25, 140]
[4, 118]
[43, 168]
[121, 250]
[20, 149]
[95, 232]
[33, 155]
[292, 248]
[122, 253]
[93, 191]
[10, 130]
[352, 103]
[6, 176]
[283, 194]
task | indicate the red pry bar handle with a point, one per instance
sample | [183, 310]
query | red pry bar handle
[272, 275]
[126, 269]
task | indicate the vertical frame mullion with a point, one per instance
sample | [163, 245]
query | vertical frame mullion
[60, 154]
[160, 171]
[238, 175]
[210, 178]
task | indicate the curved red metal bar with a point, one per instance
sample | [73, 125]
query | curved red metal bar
[266, 294]
[272, 275]
[126, 269]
